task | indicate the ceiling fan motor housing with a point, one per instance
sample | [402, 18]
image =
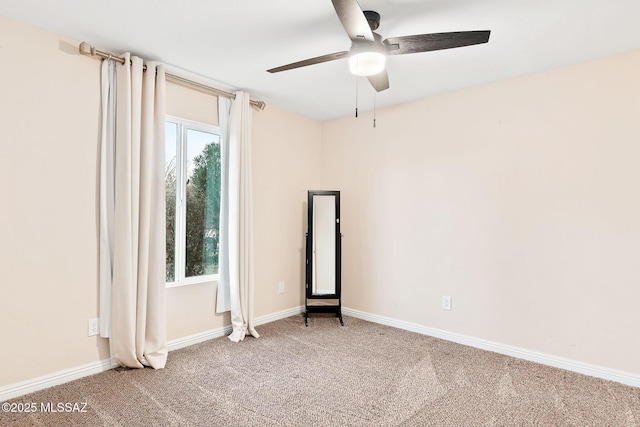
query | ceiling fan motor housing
[373, 18]
[363, 45]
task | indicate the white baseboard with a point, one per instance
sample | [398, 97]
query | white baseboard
[198, 338]
[520, 353]
[226, 330]
[29, 386]
[278, 315]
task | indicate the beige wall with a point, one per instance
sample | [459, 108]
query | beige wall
[518, 199]
[49, 123]
[49, 99]
[187, 103]
[286, 163]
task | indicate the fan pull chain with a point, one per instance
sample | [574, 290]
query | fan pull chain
[374, 109]
[356, 97]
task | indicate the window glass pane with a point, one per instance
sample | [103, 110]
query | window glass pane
[202, 203]
[170, 158]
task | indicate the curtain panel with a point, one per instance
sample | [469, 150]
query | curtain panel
[236, 283]
[132, 240]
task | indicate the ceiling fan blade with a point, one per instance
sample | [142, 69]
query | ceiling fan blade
[379, 81]
[436, 41]
[353, 19]
[311, 61]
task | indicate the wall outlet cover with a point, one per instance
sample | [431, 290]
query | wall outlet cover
[93, 327]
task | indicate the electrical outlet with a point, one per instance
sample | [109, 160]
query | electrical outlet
[93, 327]
[446, 303]
[281, 288]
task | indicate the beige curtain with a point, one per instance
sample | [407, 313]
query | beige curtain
[235, 287]
[138, 327]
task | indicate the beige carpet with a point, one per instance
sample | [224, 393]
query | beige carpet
[362, 374]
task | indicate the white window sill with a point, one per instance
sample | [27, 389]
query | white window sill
[194, 281]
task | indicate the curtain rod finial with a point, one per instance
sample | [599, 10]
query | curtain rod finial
[85, 49]
[259, 104]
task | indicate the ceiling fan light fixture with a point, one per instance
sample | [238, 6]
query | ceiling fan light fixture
[367, 63]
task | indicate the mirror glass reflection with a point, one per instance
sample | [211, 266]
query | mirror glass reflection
[323, 280]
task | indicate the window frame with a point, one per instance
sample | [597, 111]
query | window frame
[182, 127]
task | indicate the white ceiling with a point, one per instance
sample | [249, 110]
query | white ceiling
[234, 42]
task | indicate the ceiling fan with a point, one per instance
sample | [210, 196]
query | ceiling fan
[367, 56]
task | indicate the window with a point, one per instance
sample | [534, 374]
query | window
[192, 185]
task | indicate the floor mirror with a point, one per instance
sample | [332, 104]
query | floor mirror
[323, 255]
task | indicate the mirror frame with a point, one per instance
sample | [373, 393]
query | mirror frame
[338, 249]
